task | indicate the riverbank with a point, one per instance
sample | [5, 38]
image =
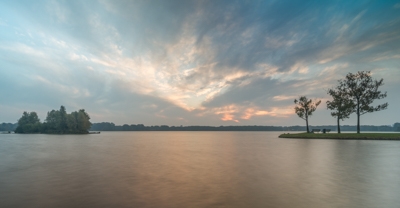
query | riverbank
[343, 136]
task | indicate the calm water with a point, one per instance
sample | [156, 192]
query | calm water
[196, 169]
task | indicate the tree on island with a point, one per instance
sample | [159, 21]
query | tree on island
[304, 108]
[341, 104]
[362, 90]
[63, 119]
[83, 120]
[57, 122]
[29, 122]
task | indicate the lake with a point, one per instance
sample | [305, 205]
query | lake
[196, 169]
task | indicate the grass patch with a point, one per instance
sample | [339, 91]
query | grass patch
[349, 136]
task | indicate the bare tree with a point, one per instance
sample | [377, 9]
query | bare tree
[304, 108]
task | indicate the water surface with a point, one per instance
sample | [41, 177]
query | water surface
[196, 169]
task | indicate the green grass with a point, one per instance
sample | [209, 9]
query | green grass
[350, 136]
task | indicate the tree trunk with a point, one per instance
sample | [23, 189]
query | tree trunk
[358, 116]
[338, 125]
[308, 130]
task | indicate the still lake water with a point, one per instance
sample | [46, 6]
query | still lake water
[196, 169]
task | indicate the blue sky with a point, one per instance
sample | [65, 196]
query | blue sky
[193, 62]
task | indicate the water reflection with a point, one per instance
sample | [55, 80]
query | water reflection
[196, 169]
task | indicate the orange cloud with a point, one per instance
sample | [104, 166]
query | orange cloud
[233, 112]
[274, 112]
[227, 113]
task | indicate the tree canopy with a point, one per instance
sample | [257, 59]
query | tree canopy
[363, 91]
[29, 122]
[341, 104]
[305, 107]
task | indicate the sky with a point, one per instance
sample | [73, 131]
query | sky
[173, 62]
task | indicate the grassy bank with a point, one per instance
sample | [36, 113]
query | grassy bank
[348, 136]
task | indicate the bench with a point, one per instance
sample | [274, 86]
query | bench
[326, 131]
[315, 130]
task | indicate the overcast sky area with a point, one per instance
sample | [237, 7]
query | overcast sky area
[194, 62]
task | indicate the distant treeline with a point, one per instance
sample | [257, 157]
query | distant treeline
[8, 126]
[106, 126]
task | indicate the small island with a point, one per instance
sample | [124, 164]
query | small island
[354, 94]
[343, 136]
[57, 122]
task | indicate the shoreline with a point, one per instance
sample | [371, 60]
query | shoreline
[343, 136]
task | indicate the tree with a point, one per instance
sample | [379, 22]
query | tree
[53, 121]
[24, 119]
[63, 120]
[72, 122]
[28, 123]
[342, 105]
[304, 108]
[83, 121]
[363, 90]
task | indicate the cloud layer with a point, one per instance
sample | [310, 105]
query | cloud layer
[192, 62]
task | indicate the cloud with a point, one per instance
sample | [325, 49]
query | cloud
[194, 62]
